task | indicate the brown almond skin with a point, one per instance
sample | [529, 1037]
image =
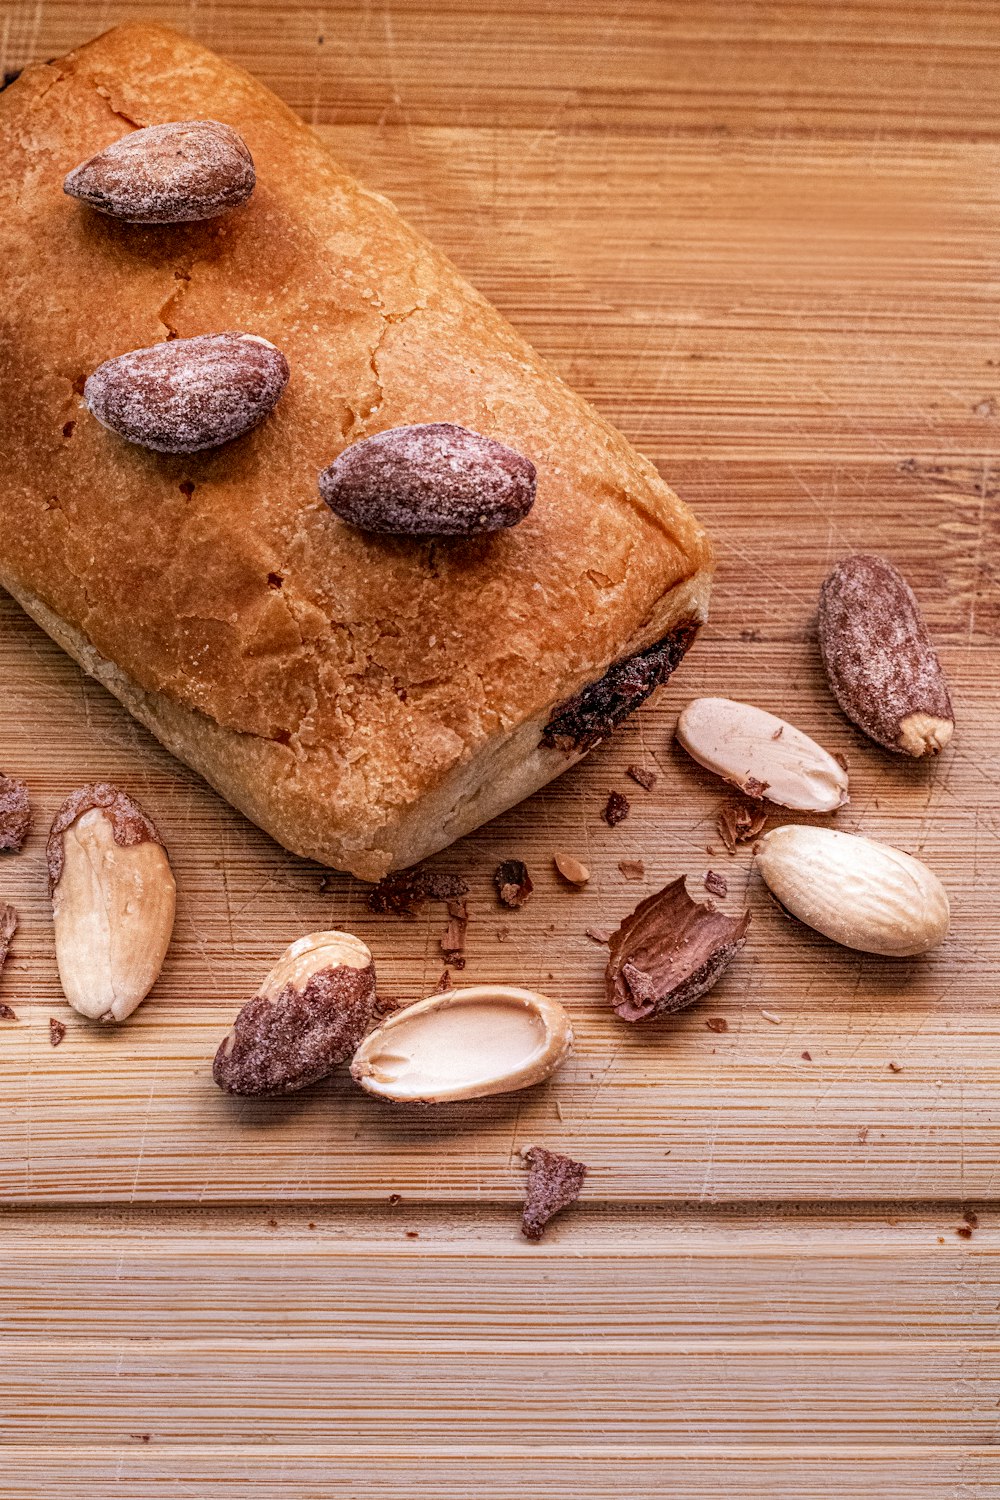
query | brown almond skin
[15, 813]
[554, 1182]
[279, 1045]
[186, 395]
[669, 951]
[435, 479]
[879, 660]
[175, 173]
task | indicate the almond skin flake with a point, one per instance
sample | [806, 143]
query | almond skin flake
[669, 951]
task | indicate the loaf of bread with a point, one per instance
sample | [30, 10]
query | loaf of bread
[364, 698]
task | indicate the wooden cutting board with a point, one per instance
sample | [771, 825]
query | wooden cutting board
[762, 238]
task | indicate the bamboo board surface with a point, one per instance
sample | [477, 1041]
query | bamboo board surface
[762, 238]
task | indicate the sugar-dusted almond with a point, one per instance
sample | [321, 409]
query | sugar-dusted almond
[879, 658]
[15, 813]
[185, 395]
[435, 479]
[860, 893]
[167, 174]
[112, 901]
[308, 1016]
[762, 755]
[464, 1044]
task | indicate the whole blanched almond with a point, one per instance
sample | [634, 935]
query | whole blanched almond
[435, 479]
[762, 755]
[167, 174]
[112, 901]
[862, 894]
[464, 1044]
[879, 659]
[308, 1016]
[185, 395]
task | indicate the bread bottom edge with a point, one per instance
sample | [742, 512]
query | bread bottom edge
[243, 768]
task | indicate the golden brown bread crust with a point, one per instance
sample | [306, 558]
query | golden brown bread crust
[365, 699]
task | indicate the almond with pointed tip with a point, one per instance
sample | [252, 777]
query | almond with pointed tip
[464, 1044]
[186, 395]
[879, 659]
[175, 173]
[309, 1014]
[113, 900]
[434, 479]
[860, 893]
[762, 754]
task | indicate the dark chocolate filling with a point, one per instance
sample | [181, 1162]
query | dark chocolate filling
[591, 716]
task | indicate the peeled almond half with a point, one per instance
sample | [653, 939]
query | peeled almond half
[464, 1044]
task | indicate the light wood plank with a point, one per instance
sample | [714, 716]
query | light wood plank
[389, 1472]
[295, 1272]
[866, 67]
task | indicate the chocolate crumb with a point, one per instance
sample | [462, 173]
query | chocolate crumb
[395, 1198]
[640, 774]
[503, 933]
[15, 813]
[778, 732]
[554, 1182]
[717, 1023]
[598, 935]
[807, 1057]
[513, 883]
[453, 937]
[895, 1067]
[413, 1234]
[964, 1231]
[716, 884]
[669, 951]
[141, 1437]
[632, 869]
[404, 892]
[444, 983]
[972, 1219]
[754, 788]
[616, 809]
[272, 1223]
[6, 1014]
[56, 1031]
[739, 821]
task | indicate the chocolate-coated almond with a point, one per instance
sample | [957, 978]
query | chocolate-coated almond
[167, 174]
[188, 394]
[435, 479]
